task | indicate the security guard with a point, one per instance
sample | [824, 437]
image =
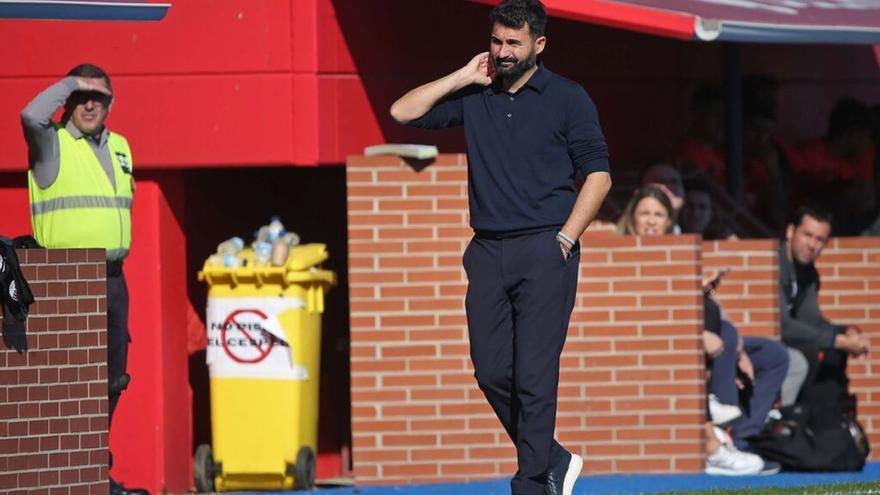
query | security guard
[81, 186]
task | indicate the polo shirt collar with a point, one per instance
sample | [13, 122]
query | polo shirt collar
[539, 79]
[77, 134]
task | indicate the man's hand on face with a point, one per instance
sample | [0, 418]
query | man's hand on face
[479, 70]
[93, 84]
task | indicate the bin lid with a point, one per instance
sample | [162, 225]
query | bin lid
[302, 266]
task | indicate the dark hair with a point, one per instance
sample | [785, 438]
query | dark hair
[92, 71]
[704, 96]
[697, 184]
[759, 98]
[849, 114]
[517, 13]
[816, 212]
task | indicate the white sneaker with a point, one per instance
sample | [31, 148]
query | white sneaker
[722, 436]
[722, 413]
[728, 461]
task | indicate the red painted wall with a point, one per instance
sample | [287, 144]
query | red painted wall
[304, 82]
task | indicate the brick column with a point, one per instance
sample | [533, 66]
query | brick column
[53, 398]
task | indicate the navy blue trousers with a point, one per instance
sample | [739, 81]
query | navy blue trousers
[770, 362]
[521, 292]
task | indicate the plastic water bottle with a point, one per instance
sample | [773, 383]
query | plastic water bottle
[262, 253]
[276, 229]
[230, 246]
[262, 235]
[291, 239]
[280, 251]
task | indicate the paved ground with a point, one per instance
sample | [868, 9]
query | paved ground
[626, 484]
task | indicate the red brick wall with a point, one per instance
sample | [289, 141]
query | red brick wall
[53, 398]
[749, 293]
[632, 387]
[850, 294]
[631, 391]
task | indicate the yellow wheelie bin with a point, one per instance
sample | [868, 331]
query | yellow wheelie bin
[264, 339]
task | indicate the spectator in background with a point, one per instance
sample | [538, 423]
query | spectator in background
[766, 158]
[705, 133]
[874, 228]
[838, 171]
[698, 215]
[668, 179]
[649, 212]
[748, 373]
[825, 345]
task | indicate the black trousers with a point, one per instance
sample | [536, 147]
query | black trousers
[519, 300]
[117, 333]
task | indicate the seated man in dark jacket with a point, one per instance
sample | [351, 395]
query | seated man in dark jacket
[825, 345]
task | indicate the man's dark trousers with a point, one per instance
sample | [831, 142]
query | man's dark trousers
[117, 331]
[521, 292]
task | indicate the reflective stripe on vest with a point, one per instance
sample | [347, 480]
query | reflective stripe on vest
[79, 202]
[82, 208]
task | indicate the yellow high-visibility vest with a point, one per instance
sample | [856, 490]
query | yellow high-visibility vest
[82, 209]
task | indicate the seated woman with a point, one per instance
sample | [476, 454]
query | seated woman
[649, 212]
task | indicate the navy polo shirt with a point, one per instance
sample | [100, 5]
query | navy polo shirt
[524, 149]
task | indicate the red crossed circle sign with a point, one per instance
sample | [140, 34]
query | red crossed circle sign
[263, 349]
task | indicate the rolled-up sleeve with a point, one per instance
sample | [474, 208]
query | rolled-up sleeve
[586, 143]
[447, 113]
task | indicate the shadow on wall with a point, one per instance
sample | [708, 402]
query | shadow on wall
[222, 203]
[640, 83]
[397, 45]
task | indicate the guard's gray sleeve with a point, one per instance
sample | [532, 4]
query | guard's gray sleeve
[42, 140]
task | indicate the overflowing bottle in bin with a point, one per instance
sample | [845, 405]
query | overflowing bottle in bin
[271, 246]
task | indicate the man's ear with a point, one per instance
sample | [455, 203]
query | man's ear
[540, 42]
[789, 232]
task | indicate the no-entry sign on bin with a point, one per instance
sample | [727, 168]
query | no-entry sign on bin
[246, 340]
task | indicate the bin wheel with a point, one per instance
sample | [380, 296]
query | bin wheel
[304, 469]
[204, 469]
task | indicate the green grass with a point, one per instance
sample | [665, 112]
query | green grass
[833, 489]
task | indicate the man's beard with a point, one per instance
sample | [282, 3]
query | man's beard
[515, 71]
